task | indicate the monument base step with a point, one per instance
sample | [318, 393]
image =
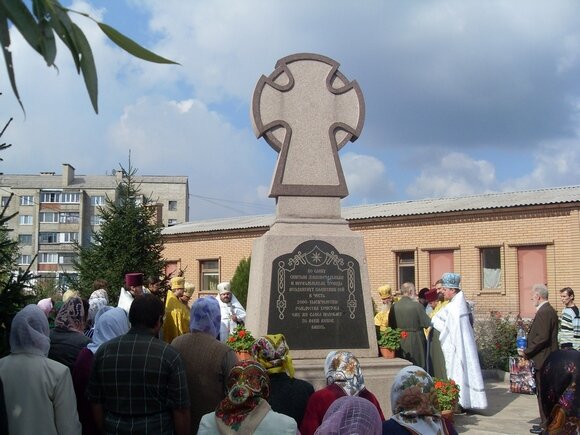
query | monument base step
[378, 373]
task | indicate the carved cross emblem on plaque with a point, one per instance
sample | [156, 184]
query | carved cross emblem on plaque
[307, 111]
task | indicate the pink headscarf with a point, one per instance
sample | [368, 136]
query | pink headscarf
[45, 305]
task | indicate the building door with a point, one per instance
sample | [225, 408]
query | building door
[531, 270]
[439, 263]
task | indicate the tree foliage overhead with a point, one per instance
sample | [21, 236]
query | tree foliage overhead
[49, 18]
[129, 240]
[241, 280]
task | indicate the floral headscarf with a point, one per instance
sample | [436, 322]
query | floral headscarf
[29, 332]
[414, 401]
[343, 369]
[273, 353]
[560, 377]
[247, 384]
[205, 316]
[351, 415]
[98, 300]
[71, 316]
[110, 324]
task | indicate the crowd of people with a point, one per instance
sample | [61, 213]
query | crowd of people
[158, 363]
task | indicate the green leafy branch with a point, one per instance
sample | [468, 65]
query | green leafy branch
[49, 17]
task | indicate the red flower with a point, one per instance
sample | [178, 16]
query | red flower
[242, 333]
[404, 334]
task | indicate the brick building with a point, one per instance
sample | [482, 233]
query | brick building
[501, 244]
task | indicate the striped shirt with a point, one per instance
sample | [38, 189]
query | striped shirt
[566, 333]
[139, 380]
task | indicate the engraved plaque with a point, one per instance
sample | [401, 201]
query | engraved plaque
[316, 299]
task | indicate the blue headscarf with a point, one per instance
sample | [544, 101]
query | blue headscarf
[205, 316]
[29, 332]
[109, 324]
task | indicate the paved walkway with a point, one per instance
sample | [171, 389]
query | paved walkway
[507, 413]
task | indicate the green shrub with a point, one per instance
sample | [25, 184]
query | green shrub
[496, 339]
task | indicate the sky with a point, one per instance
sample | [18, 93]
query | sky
[462, 97]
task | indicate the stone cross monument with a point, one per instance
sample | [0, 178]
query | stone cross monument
[308, 277]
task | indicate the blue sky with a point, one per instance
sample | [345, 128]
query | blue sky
[462, 97]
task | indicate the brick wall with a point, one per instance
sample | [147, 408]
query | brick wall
[557, 227]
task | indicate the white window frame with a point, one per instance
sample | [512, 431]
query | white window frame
[97, 200]
[491, 277]
[45, 214]
[48, 258]
[68, 237]
[24, 259]
[69, 217]
[50, 197]
[27, 200]
[70, 197]
[48, 237]
[171, 222]
[209, 275]
[25, 219]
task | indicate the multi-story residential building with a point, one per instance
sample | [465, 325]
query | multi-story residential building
[54, 211]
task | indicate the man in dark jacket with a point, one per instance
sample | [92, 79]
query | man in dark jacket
[542, 340]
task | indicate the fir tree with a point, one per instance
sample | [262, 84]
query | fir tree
[129, 240]
[241, 280]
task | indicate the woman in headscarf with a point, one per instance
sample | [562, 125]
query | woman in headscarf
[351, 415]
[207, 360]
[245, 409]
[110, 323]
[39, 393]
[67, 338]
[343, 378]
[45, 305]
[98, 299]
[288, 395]
[414, 405]
[560, 378]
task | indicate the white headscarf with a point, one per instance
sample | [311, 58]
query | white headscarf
[98, 300]
[109, 325]
[29, 332]
[343, 369]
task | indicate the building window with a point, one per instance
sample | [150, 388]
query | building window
[48, 217]
[68, 237]
[97, 200]
[171, 222]
[66, 258]
[5, 200]
[71, 217]
[48, 258]
[48, 238]
[172, 206]
[25, 260]
[25, 219]
[70, 198]
[491, 268]
[96, 220]
[27, 200]
[25, 239]
[50, 197]
[209, 275]
[405, 267]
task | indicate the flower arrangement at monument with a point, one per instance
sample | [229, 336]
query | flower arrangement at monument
[447, 392]
[391, 338]
[241, 339]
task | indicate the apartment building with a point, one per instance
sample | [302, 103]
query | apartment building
[501, 244]
[54, 211]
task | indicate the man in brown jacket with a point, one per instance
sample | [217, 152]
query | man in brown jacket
[542, 340]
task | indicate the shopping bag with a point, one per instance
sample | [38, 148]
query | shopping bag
[522, 375]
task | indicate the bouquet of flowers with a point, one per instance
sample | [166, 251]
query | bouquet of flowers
[447, 392]
[391, 338]
[241, 339]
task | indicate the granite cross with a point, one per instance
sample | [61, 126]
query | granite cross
[307, 111]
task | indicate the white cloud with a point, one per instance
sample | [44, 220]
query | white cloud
[365, 177]
[455, 174]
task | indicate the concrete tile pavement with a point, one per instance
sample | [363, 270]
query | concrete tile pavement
[507, 413]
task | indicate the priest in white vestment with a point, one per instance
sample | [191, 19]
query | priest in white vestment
[233, 314]
[458, 344]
